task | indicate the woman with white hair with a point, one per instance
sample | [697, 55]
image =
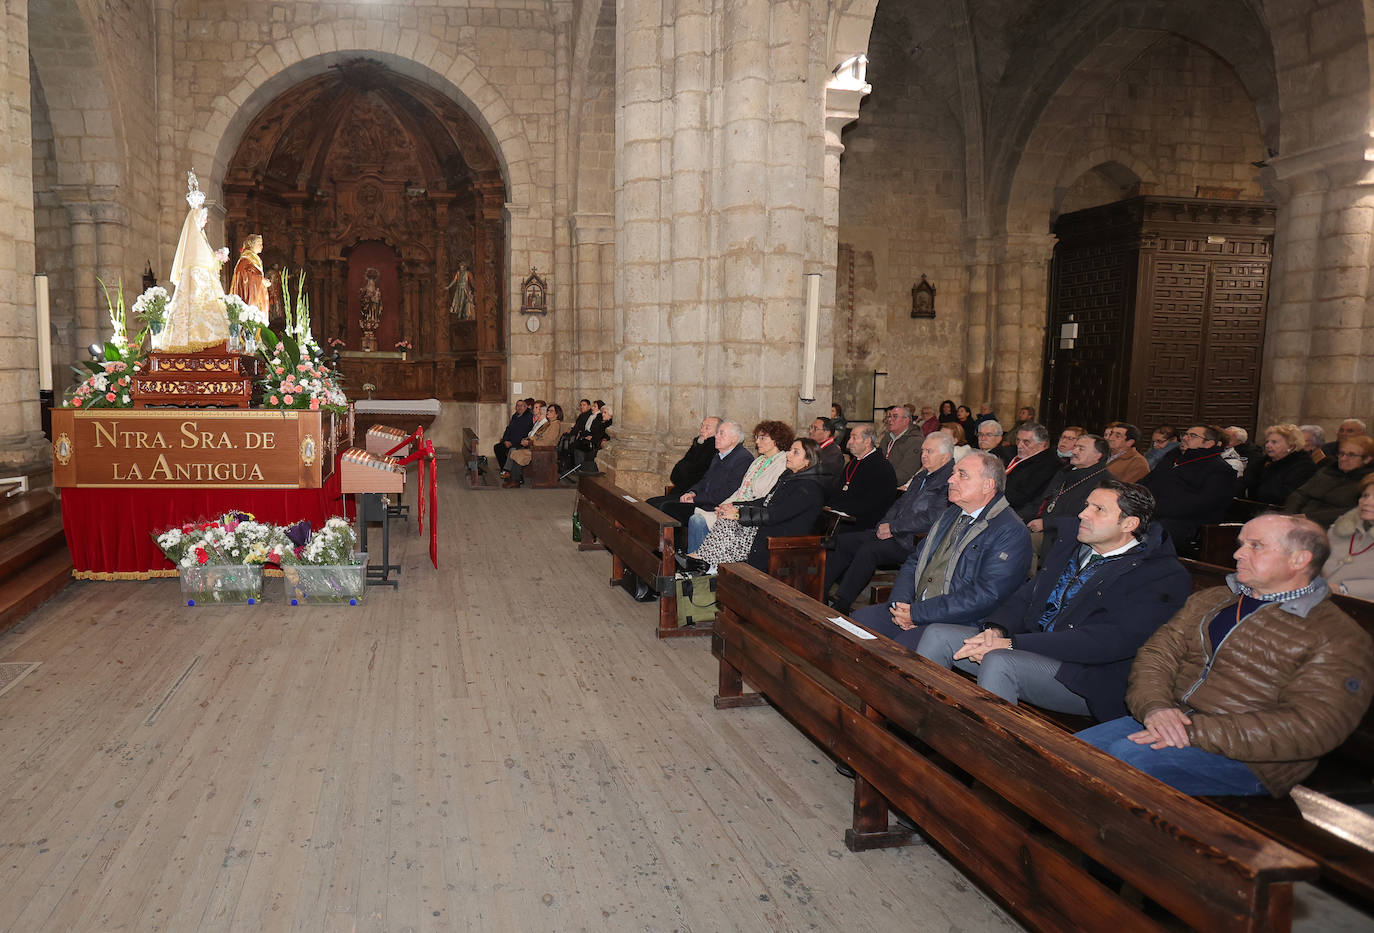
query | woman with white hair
[1283, 468]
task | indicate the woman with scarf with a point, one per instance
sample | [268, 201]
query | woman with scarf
[742, 529]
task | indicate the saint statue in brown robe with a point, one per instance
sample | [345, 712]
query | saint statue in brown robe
[249, 283]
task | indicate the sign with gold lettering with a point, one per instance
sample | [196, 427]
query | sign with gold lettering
[187, 447]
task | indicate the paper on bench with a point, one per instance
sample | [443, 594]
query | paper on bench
[629, 498]
[851, 628]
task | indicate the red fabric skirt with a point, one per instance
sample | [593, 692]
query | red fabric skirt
[110, 531]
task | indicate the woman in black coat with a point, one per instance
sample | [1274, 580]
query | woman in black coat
[792, 506]
[1284, 467]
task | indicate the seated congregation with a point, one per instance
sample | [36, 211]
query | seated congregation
[1052, 575]
[536, 424]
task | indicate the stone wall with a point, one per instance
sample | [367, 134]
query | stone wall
[496, 59]
[1179, 119]
[901, 217]
[21, 447]
[52, 240]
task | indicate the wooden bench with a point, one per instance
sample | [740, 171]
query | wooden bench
[799, 561]
[543, 469]
[640, 540]
[885, 711]
[473, 459]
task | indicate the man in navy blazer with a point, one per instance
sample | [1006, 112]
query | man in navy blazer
[723, 477]
[1066, 640]
[976, 556]
[521, 423]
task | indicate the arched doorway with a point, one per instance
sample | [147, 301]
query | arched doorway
[360, 156]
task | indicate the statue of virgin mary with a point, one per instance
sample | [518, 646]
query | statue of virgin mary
[196, 317]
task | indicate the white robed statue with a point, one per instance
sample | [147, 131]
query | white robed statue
[196, 316]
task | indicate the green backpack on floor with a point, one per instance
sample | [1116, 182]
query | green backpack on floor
[696, 599]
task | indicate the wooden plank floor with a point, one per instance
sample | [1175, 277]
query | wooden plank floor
[500, 745]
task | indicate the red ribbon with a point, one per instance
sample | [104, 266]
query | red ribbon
[424, 454]
[418, 436]
[433, 505]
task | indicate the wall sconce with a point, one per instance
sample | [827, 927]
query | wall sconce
[1068, 334]
[813, 316]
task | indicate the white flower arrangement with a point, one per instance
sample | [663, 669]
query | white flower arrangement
[152, 307]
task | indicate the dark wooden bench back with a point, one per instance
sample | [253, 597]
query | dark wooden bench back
[1207, 869]
[799, 561]
[640, 539]
[1219, 544]
[472, 460]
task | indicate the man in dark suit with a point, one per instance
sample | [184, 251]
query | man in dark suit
[723, 476]
[1068, 490]
[822, 431]
[517, 430]
[867, 483]
[1192, 486]
[694, 462]
[990, 438]
[1110, 582]
[858, 554]
[1029, 472]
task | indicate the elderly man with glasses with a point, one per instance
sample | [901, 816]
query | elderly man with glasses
[901, 444]
[1193, 485]
[990, 438]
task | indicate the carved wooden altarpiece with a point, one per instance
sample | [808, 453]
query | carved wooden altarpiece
[362, 158]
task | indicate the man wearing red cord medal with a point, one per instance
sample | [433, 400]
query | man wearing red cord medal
[1249, 683]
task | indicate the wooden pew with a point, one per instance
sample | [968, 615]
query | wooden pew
[798, 561]
[473, 459]
[640, 540]
[883, 710]
[543, 468]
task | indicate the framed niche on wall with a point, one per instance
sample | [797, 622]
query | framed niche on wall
[923, 299]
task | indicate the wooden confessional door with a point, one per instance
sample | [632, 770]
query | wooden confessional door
[1169, 297]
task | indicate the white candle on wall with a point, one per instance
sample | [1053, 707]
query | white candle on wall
[40, 289]
[813, 316]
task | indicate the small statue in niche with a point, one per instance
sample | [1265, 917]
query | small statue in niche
[923, 299]
[462, 304]
[370, 302]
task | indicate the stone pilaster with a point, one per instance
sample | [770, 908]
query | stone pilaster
[1320, 328]
[1007, 294]
[593, 303]
[98, 224]
[22, 449]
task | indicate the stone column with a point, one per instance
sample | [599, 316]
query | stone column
[22, 447]
[1320, 328]
[1007, 309]
[593, 301]
[98, 225]
[645, 36]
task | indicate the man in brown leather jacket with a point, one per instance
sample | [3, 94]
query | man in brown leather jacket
[1248, 684]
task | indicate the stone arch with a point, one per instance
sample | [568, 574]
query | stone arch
[850, 28]
[1026, 190]
[85, 124]
[308, 51]
[1117, 166]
